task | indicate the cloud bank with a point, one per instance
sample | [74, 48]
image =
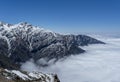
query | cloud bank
[101, 63]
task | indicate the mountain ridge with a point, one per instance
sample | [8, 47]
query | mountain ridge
[23, 41]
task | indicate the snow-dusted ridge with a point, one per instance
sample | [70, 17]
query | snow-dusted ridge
[22, 30]
[23, 41]
[20, 76]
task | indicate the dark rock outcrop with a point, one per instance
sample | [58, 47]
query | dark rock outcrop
[22, 76]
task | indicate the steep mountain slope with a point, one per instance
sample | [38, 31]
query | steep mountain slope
[23, 41]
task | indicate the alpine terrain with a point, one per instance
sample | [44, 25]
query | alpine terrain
[23, 41]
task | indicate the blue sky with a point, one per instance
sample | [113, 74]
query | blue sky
[64, 16]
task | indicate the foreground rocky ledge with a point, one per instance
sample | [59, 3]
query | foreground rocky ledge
[22, 76]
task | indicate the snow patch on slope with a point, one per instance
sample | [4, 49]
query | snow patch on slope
[28, 76]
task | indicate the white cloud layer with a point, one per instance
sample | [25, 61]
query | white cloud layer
[101, 63]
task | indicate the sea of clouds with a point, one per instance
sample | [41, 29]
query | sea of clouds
[101, 63]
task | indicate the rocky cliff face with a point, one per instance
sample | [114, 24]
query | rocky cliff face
[23, 41]
[22, 76]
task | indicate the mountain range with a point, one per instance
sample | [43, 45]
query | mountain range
[23, 41]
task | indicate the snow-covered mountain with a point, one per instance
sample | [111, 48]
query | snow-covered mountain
[23, 41]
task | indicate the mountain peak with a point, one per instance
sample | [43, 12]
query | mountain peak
[24, 23]
[21, 24]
